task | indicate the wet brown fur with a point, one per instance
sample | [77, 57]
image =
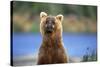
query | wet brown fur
[52, 51]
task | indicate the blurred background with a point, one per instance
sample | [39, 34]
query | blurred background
[79, 30]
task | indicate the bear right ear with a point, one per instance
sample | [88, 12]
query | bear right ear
[43, 14]
[60, 17]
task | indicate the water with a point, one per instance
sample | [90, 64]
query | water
[75, 44]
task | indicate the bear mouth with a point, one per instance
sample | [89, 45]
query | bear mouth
[49, 30]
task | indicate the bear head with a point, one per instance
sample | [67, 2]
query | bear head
[50, 24]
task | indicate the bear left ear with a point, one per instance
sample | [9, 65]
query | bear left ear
[43, 14]
[60, 17]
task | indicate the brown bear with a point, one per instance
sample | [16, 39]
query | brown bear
[51, 51]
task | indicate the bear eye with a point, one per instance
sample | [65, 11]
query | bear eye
[53, 22]
[46, 22]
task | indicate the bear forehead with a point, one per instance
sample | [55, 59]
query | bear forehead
[50, 18]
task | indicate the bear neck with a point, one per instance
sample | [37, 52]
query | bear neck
[52, 40]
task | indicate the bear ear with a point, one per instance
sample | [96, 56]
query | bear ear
[60, 17]
[43, 14]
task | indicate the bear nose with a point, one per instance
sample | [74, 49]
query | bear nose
[49, 26]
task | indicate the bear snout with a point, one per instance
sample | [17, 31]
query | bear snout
[49, 28]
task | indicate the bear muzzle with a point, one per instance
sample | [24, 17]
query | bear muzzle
[49, 28]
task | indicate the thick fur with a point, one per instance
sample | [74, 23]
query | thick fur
[51, 50]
